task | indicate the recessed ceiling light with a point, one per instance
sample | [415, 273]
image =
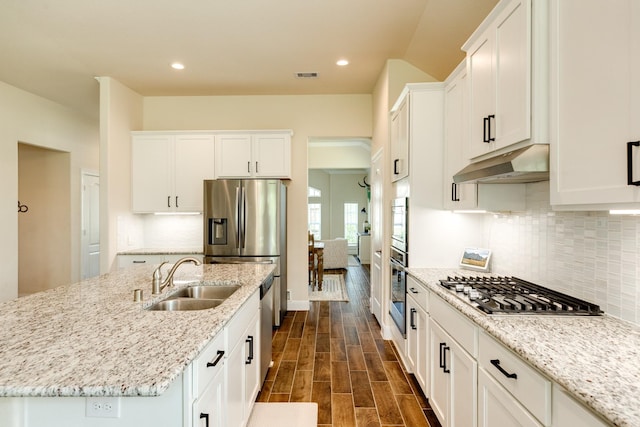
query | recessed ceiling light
[177, 66]
[342, 62]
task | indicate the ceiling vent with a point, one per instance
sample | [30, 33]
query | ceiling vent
[307, 75]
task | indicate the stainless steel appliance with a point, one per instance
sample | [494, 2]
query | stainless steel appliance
[510, 295]
[400, 224]
[398, 289]
[245, 222]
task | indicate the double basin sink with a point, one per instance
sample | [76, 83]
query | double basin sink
[195, 298]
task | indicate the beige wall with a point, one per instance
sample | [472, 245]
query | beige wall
[120, 113]
[37, 121]
[44, 242]
[307, 115]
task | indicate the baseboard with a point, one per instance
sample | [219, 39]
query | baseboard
[298, 305]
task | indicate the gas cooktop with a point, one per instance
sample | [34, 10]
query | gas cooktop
[510, 295]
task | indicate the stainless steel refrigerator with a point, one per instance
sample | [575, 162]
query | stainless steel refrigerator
[245, 221]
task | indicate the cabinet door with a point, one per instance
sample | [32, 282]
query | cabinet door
[194, 163]
[421, 370]
[151, 173]
[594, 103]
[440, 371]
[235, 386]
[568, 412]
[481, 64]
[252, 364]
[456, 131]
[499, 66]
[233, 156]
[464, 382]
[412, 333]
[272, 156]
[209, 409]
[496, 407]
[513, 74]
[400, 141]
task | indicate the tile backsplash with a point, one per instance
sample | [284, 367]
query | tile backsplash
[590, 255]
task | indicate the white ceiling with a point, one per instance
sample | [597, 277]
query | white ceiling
[54, 48]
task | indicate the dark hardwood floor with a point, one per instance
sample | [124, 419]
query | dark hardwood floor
[334, 355]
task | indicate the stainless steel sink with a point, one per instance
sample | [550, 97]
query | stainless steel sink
[195, 298]
[181, 304]
[206, 292]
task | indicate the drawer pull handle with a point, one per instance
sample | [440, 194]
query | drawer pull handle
[412, 319]
[496, 363]
[442, 345]
[249, 341]
[413, 290]
[218, 359]
[444, 360]
[206, 418]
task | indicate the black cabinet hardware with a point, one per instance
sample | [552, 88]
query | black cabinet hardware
[412, 320]
[250, 341]
[168, 201]
[256, 167]
[248, 167]
[135, 261]
[485, 126]
[496, 363]
[442, 345]
[444, 359]
[395, 167]
[413, 290]
[630, 146]
[455, 197]
[206, 418]
[491, 116]
[217, 359]
[177, 202]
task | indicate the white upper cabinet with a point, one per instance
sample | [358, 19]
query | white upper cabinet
[168, 169]
[456, 132]
[507, 93]
[595, 103]
[254, 155]
[400, 122]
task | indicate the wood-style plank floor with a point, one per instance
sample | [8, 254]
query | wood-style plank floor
[334, 355]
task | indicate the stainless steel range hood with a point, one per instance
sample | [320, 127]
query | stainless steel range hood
[528, 164]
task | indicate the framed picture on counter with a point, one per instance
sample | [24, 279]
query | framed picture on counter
[476, 259]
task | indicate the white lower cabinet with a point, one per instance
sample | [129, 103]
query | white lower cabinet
[209, 409]
[418, 332]
[496, 407]
[568, 412]
[453, 380]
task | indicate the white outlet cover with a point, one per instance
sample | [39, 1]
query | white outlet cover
[103, 407]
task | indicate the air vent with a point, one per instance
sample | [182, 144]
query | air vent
[307, 75]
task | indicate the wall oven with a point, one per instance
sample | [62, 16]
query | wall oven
[398, 288]
[399, 225]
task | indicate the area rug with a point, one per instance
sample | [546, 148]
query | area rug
[284, 415]
[333, 289]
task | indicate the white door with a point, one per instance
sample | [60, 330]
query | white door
[377, 232]
[90, 265]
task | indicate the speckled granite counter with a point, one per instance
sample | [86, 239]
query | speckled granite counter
[597, 359]
[91, 339]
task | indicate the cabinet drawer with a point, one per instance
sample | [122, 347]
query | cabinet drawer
[462, 329]
[240, 321]
[419, 293]
[530, 388]
[209, 363]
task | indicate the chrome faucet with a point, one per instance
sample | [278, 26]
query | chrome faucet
[158, 284]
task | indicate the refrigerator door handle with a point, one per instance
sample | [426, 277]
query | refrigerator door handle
[238, 213]
[244, 217]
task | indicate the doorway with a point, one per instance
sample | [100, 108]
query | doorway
[44, 221]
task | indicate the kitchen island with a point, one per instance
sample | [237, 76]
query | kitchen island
[594, 358]
[91, 339]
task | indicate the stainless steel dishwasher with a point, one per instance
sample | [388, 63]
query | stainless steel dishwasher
[266, 325]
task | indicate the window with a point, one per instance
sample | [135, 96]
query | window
[313, 192]
[315, 216]
[351, 223]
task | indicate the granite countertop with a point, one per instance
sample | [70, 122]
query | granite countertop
[595, 358]
[163, 251]
[91, 339]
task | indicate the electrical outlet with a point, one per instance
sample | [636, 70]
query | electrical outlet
[103, 407]
[288, 294]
